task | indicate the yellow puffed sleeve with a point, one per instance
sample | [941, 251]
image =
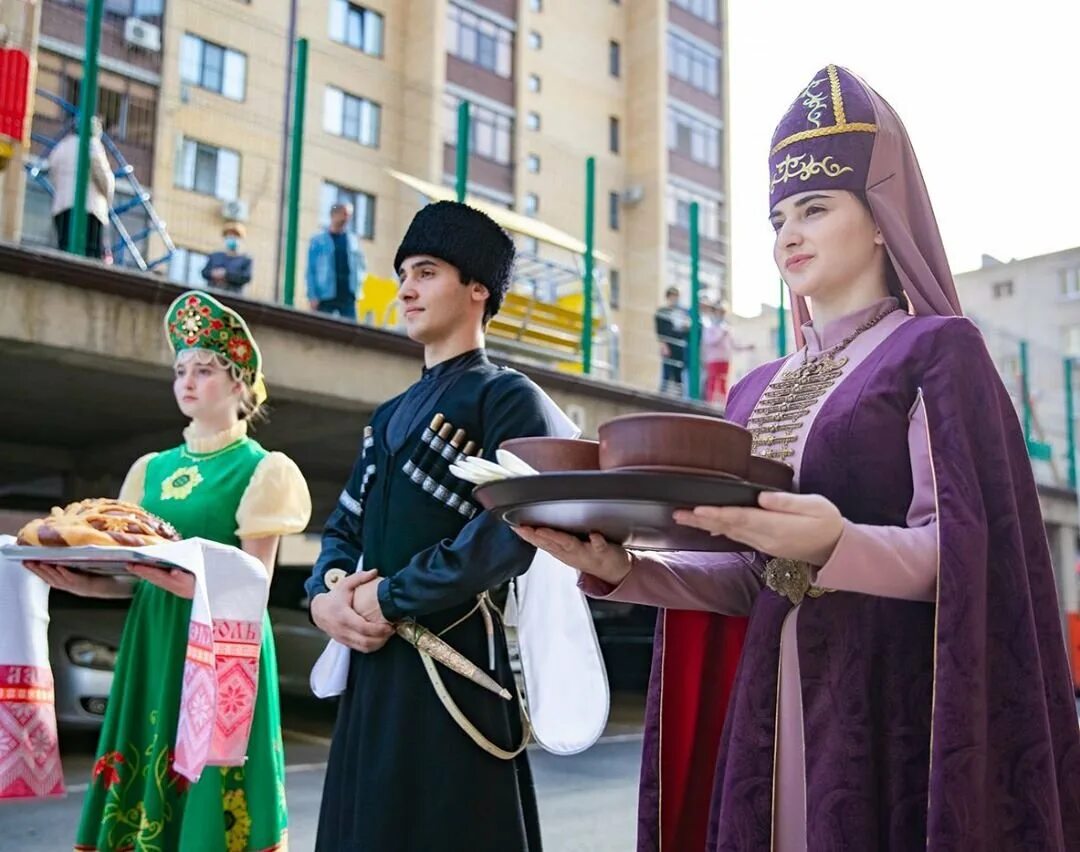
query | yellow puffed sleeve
[276, 501]
[135, 482]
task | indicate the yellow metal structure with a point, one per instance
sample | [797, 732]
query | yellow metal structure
[516, 222]
[549, 332]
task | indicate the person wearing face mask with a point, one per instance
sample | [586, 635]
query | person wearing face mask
[229, 269]
[900, 682]
[219, 484]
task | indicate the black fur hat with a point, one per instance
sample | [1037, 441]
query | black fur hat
[467, 239]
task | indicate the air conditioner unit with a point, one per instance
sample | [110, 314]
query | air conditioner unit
[234, 210]
[632, 195]
[142, 34]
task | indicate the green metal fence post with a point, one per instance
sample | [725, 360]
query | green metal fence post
[461, 182]
[587, 278]
[781, 323]
[1070, 422]
[88, 97]
[693, 361]
[296, 156]
[1025, 397]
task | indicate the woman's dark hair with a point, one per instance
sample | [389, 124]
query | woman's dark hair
[892, 279]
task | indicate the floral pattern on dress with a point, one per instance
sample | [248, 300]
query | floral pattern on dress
[179, 484]
[237, 821]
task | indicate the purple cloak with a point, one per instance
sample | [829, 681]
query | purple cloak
[947, 726]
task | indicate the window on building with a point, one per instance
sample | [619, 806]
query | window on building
[351, 117]
[532, 164]
[1002, 289]
[186, 266]
[613, 134]
[208, 169]
[479, 41]
[1070, 282]
[711, 276]
[704, 9]
[531, 204]
[213, 67]
[363, 204]
[145, 9]
[536, 41]
[356, 26]
[614, 289]
[710, 211]
[532, 121]
[692, 137]
[534, 82]
[613, 211]
[694, 64]
[491, 133]
[614, 59]
[536, 5]
[139, 122]
[1071, 340]
[125, 116]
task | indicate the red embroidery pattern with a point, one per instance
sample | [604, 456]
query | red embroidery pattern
[105, 768]
[236, 653]
[198, 698]
[217, 703]
[29, 752]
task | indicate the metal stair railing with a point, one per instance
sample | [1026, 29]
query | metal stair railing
[127, 244]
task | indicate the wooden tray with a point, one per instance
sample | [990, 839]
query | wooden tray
[630, 508]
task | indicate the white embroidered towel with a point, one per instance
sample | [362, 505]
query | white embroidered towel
[221, 671]
[29, 751]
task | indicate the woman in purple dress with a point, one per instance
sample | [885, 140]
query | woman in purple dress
[903, 681]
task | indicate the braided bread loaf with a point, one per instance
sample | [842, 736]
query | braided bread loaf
[111, 523]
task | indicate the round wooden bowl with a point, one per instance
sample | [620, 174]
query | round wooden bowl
[775, 474]
[550, 455]
[674, 440]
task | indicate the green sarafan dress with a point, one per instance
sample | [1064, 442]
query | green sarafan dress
[224, 488]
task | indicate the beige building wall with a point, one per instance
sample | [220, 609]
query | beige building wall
[759, 333]
[1035, 299]
[645, 143]
[252, 127]
[577, 97]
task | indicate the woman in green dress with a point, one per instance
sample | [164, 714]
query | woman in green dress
[219, 484]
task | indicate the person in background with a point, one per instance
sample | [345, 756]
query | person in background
[901, 681]
[672, 332]
[717, 348]
[419, 764]
[336, 266]
[63, 165]
[221, 485]
[229, 269]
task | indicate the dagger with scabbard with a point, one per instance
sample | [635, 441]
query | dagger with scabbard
[432, 646]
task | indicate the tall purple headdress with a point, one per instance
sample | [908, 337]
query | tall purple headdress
[840, 134]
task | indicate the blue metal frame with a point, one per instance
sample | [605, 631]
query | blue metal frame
[127, 244]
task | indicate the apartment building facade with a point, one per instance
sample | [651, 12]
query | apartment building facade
[197, 96]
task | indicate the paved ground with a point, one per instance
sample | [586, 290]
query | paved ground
[587, 802]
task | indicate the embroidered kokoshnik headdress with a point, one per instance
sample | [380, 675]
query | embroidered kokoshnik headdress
[196, 320]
